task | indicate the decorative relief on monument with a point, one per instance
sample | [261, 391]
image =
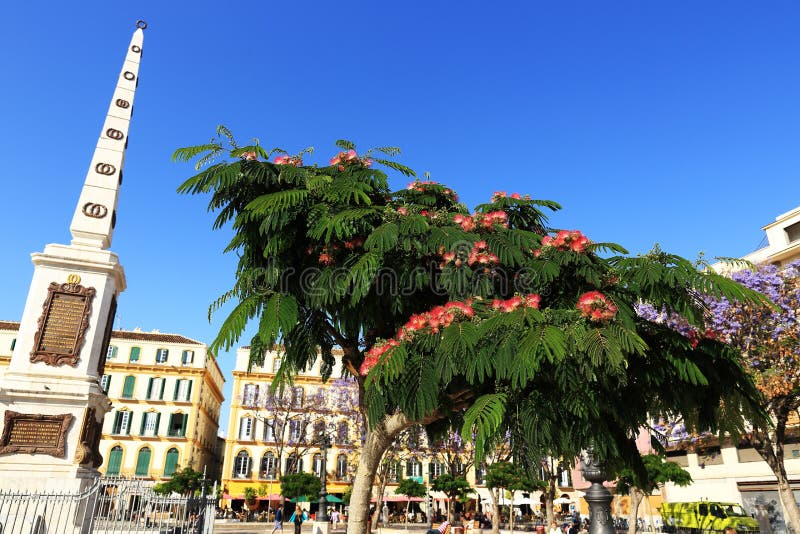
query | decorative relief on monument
[136, 49]
[95, 211]
[122, 103]
[88, 449]
[35, 433]
[105, 168]
[128, 75]
[63, 323]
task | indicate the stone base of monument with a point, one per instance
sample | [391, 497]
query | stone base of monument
[321, 527]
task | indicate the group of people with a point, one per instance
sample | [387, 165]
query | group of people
[300, 516]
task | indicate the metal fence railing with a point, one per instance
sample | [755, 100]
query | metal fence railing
[110, 505]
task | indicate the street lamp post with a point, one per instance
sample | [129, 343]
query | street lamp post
[322, 515]
[598, 497]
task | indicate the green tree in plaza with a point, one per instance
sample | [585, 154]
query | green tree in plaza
[510, 477]
[295, 485]
[411, 489]
[640, 485]
[444, 314]
[455, 487]
[185, 481]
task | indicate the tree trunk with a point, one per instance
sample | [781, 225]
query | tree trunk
[377, 441]
[383, 480]
[549, 496]
[495, 512]
[633, 511]
[511, 514]
[771, 450]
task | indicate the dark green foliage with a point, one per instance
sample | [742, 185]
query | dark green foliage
[410, 488]
[511, 477]
[657, 472]
[294, 485]
[453, 487]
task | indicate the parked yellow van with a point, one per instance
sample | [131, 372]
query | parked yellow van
[705, 516]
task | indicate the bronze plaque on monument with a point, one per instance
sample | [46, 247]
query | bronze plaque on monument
[63, 324]
[35, 433]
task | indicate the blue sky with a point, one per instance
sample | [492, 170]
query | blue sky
[668, 122]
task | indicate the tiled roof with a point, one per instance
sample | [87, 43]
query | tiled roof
[152, 336]
[9, 325]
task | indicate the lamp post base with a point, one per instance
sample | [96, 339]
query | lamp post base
[321, 527]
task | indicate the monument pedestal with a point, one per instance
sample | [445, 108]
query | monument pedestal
[51, 400]
[321, 527]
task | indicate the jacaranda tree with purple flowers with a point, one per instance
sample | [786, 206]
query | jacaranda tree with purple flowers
[769, 338]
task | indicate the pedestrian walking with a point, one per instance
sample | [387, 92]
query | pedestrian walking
[297, 518]
[278, 520]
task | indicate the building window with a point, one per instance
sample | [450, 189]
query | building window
[414, 468]
[316, 465]
[162, 355]
[105, 383]
[183, 390]
[480, 475]
[564, 478]
[114, 461]
[128, 387]
[111, 353]
[297, 397]
[268, 465]
[296, 431]
[150, 422]
[13, 343]
[241, 466]
[342, 433]
[250, 395]
[458, 468]
[793, 232]
[187, 357]
[435, 469]
[341, 467]
[155, 388]
[269, 430]
[177, 425]
[276, 365]
[134, 356]
[393, 471]
[294, 464]
[122, 423]
[143, 462]
[246, 428]
[171, 463]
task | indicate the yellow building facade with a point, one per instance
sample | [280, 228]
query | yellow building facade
[166, 393]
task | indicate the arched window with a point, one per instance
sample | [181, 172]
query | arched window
[241, 465]
[268, 465]
[250, 395]
[171, 463]
[114, 461]
[316, 465]
[341, 467]
[143, 462]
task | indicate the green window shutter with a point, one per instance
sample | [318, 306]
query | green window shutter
[149, 387]
[171, 421]
[141, 429]
[115, 427]
[114, 461]
[143, 462]
[13, 343]
[127, 388]
[189, 391]
[158, 421]
[161, 393]
[135, 351]
[177, 386]
[183, 425]
[171, 464]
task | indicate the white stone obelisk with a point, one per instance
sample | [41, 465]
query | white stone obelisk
[51, 402]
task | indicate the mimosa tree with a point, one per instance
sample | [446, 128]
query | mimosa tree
[488, 314]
